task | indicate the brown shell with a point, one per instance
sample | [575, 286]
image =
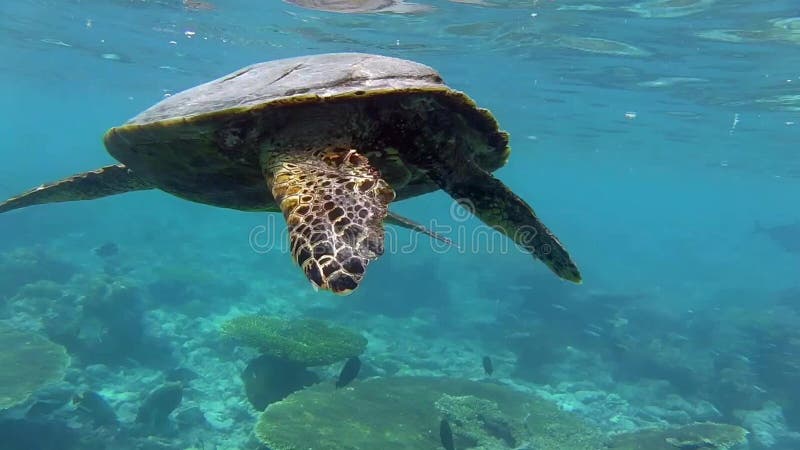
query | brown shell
[207, 144]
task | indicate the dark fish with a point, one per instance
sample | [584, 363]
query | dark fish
[106, 250]
[349, 372]
[487, 365]
[47, 402]
[269, 379]
[786, 236]
[96, 407]
[446, 435]
[158, 405]
[181, 374]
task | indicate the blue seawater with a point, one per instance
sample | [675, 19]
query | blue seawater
[657, 139]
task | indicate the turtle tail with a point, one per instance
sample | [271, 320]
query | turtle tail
[105, 181]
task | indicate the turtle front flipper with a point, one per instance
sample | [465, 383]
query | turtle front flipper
[109, 180]
[334, 203]
[497, 206]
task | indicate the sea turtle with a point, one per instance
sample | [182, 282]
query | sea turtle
[330, 140]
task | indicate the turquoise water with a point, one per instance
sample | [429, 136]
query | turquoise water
[664, 157]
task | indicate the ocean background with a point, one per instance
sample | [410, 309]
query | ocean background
[670, 169]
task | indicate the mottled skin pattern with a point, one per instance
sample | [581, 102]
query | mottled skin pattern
[102, 182]
[334, 203]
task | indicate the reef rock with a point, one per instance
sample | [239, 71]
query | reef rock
[404, 413]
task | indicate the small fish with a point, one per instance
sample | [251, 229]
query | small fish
[55, 42]
[679, 337]
[349, 372]
[487, 365]
[181, 374]
[446, 435]
[106, 250]
[618, 322]
[595, 328]
[194, 5]
[621, 347]
[592, 333]
[95, 407]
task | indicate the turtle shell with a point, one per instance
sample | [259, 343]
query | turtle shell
[207, 144]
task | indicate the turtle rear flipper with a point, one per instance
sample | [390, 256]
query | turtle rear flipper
[334, 203]
[405, 222]
[105, 181]
[497, 206]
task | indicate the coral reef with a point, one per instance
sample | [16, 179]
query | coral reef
[26, 265]
[688, 437]
[767, 427]
[19, 434]
[108, 325]
[29, 361]
[192, 289]
[307, 342]
[600, 359]
[403, 413]
[98, 318]
[480, 421]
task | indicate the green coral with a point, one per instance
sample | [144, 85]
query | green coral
[688, 437]
[307, 342]
[403, 413]
[480, 422]
[29, 361]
